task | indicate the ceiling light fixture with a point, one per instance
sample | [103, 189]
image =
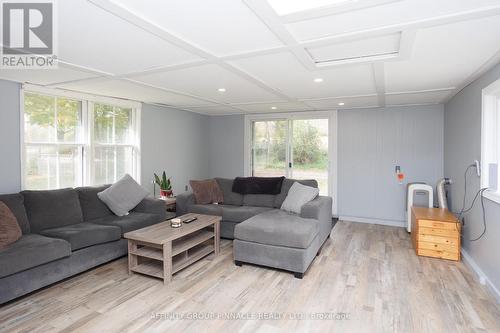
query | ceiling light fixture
[341, 103]
[273, 108]
[221, 90]
[318, 80]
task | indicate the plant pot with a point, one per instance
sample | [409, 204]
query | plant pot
[166, 193]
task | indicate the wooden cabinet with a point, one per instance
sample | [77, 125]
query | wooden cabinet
[435, 233]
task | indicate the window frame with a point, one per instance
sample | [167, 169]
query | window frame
[85, 143]
[490, 137]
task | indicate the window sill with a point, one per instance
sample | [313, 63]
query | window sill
[492, 196]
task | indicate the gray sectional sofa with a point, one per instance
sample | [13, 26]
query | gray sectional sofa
[263, 234]
[65, 232]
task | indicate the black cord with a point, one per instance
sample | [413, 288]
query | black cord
[484, 217]
[465, 189]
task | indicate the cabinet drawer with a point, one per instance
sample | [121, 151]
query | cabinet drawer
[439, 254]
[438, 232]
[453, 248]
[438, 239]
[438, 225]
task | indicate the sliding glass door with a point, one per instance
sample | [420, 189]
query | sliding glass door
[295, 148]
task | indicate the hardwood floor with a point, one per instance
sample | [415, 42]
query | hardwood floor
[368, 272]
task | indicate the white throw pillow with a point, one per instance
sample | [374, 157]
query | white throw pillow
[123, 196]
[298, 196]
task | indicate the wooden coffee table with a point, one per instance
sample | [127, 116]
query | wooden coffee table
[160, 250]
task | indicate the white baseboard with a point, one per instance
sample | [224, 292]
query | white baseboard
[391, 223]
[483, 278]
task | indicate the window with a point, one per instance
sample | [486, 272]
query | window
[72, 140]
[490, 141]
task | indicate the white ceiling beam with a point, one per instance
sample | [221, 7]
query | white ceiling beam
[268, 16]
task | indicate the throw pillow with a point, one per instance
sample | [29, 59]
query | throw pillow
[9, 228]
[123, 196]
[206, 191]
[298, 196]
[258, 185]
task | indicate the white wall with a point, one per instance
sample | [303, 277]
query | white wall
[371, 143]
[175, 141]
[226, 140]
[10, 151]
[462, 130]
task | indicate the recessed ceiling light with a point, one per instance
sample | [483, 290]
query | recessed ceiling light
[273, 107]
[318, 80]
[341, 103]
[221, 90]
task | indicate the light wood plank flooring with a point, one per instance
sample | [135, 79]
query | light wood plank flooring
[369, 272]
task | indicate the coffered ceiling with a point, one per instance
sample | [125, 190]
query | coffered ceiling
[272, 55]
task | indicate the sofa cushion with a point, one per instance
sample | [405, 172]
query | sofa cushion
[85, 234]
[92, 206]
[52, 209]
[130, 222]
[287, 184]
[123, 196]
[209, 209]
[230, 197]
[15, 202]
[278, 228]
[240, 213]
[259, 200]
[29, 251]
[9, 228]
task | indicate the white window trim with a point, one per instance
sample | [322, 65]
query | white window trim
[87, 101]
[490, 140]
[332, 144]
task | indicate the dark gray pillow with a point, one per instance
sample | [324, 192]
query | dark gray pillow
[92, 206]
[230, 197]
[123, 196]
[51, 209]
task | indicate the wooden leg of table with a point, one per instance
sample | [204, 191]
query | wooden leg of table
[167, 262]
[132, 259]
[217, 237]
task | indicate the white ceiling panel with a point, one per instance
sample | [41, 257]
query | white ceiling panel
[222, 27]
[348, 102]
[94, 38]
[429, 97]
[275, 107]
[400, 12]
[445, 56]
[44, 76]
[218, 110]
[130, 90]
[205, 80]
[285, 73]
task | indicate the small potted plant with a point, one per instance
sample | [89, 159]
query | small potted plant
[165, 185]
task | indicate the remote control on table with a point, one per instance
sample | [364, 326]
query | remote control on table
[190, 220]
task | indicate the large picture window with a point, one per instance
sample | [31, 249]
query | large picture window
[71, 141]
